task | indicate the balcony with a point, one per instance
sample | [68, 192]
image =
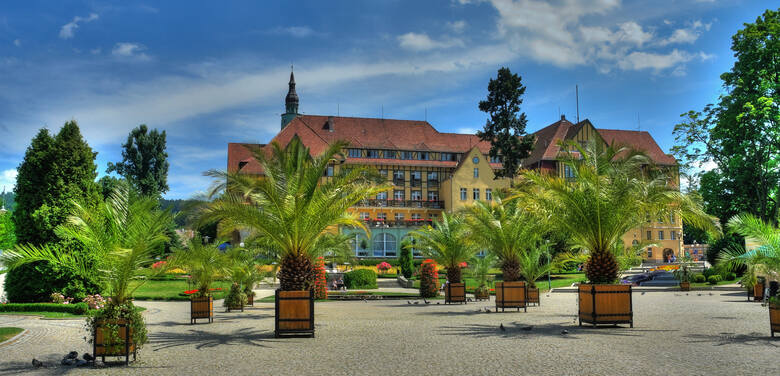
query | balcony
[433, 184]
[399, 182]
[430, 204]
[378, 223]
[416, 183]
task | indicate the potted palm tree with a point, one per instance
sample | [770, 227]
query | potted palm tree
[446, 243]
[508, 229]
[533, 265]
[291, 210]
[764, 259]
[121, 234]
[684, 273]
[204, 263]
[480, 269]
[612, 191]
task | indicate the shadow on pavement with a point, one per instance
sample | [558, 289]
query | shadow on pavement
[752, 339]
[200, 338]
[518, 329]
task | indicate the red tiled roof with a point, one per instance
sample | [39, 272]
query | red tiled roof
[546, 146]
[640, 140]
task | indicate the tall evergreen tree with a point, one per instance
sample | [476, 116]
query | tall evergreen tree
[505, 130]
[55, 173]
[144, 161]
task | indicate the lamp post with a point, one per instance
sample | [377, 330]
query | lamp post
[547, 249]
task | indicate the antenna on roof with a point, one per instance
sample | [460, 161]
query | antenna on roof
[559, 111]
[577, 98]
[426, 113]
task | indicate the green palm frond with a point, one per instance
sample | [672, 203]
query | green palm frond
[765, 257]
[446, 241]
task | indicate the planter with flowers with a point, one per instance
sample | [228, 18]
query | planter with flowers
[204, 263]
[684, 274]
[383, 267]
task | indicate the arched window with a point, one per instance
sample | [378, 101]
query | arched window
[634, 242]
[415, 251]
[360, 245]
[384, 245]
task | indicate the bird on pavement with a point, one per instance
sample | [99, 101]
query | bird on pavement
[502, 327]
[426, 301]
[88, 357]
[487, 309]
[72, 355]
[408, 302]
[698, 294]
[416, 302]
[643, 292]
[564, 332]
[37, 363]
[437, 303]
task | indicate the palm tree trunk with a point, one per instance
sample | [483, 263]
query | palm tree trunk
[296, 273]
[511, 270]
[601, 267]
[453, 274]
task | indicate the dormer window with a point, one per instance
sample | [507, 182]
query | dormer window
[422, 155]
[372, 153]
[355, 153]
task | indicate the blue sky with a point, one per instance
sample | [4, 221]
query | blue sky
[210, 73]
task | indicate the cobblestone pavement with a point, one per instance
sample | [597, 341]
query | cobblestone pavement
[674, 334]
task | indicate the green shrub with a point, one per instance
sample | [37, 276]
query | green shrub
[76, 308]
[714, 279]
[236, 298]
[729, 276]
[37, 281]
[406, 263]
[360, 279]
[699, 278]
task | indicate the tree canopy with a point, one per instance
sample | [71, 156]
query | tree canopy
[144, 161]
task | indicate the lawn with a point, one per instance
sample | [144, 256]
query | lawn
[270, 299]
[7, 333]
[557, 280]
[171, 290]
[48, 315]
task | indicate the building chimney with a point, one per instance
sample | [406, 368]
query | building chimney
[563, 117]
[330, 124]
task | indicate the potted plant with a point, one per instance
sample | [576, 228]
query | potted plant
[236, 299]
[611, 190]
[481, 266]
[684, 274]
[121, 234]
[204, 263]
[292, 212]
[446, 244]
[533, 265]
[762, 260]
[507, 228]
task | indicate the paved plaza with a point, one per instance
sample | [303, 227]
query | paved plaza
[674, 334]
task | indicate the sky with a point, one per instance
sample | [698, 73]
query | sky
[210, 73]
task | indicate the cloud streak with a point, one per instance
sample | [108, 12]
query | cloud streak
[69, 29]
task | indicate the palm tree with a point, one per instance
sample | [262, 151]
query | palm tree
[291, 207]
[480, 267]
[203, 262]
[763, 259]
[507, 229]
[446, 243]
[612, 191]
[535, 263]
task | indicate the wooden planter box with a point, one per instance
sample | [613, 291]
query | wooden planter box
[774, 318]
[758, 292]
[201, 308]
[250, 300]
[294, 313]
[455, 293]
[605, 304]
[105, 344]
[533, 296]
[481, 295]
[511, 295]
[685, 286]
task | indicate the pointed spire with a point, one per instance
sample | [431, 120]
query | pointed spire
[290, 101]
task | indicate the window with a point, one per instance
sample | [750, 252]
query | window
[360, 245]
[447, 157]
[433, 217]
[364, 216]
[416, 195]
[476, 172]
[660, 235]
[422, 155]
[415, 178]
[381, 216]
[568, 172]
[649, 253]
[372, 153]
[463, 194]
[475, 160]
[635, 242]
[648, 218]
[433, 195]
[671, 218]
[329, 171]
[355, 153]
[475, 194]
[399, 216]
[672, 235]
[649, 235]
[488, 194]
[495, 159]
[415, 252]
[407, 155]
[384, 245]
[433, 177]
[383, 172]
[398, 194]
[381, 196]
[391, 154]
[398, 177]
[416, 216]
[660, 219]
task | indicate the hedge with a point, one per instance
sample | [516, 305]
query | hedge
[360, 279]
[699, 278]
[714, 279]
[75, 308]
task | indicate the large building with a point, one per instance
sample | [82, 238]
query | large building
[431, 171]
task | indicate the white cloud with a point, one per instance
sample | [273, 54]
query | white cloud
[457, 26]
[132, 51]
[8, 179]
[686, 35]
[17, 43]
[466, 130]
[422, 42]
[649, 60]
[295, 31]
[96, 51]
[68, 30]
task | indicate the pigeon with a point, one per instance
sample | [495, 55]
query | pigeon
[643, 292]
[88, 357]
[437, 303]
[502, 327]
[564, 332]
[698, 294]
[72, 355]
[710, 294]
[686, 294]
[408, 302]
[487, 310]
[416, 302]
[527, 328]
[364, 300]
[468, 300]
[37, 363]
[427, 302]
